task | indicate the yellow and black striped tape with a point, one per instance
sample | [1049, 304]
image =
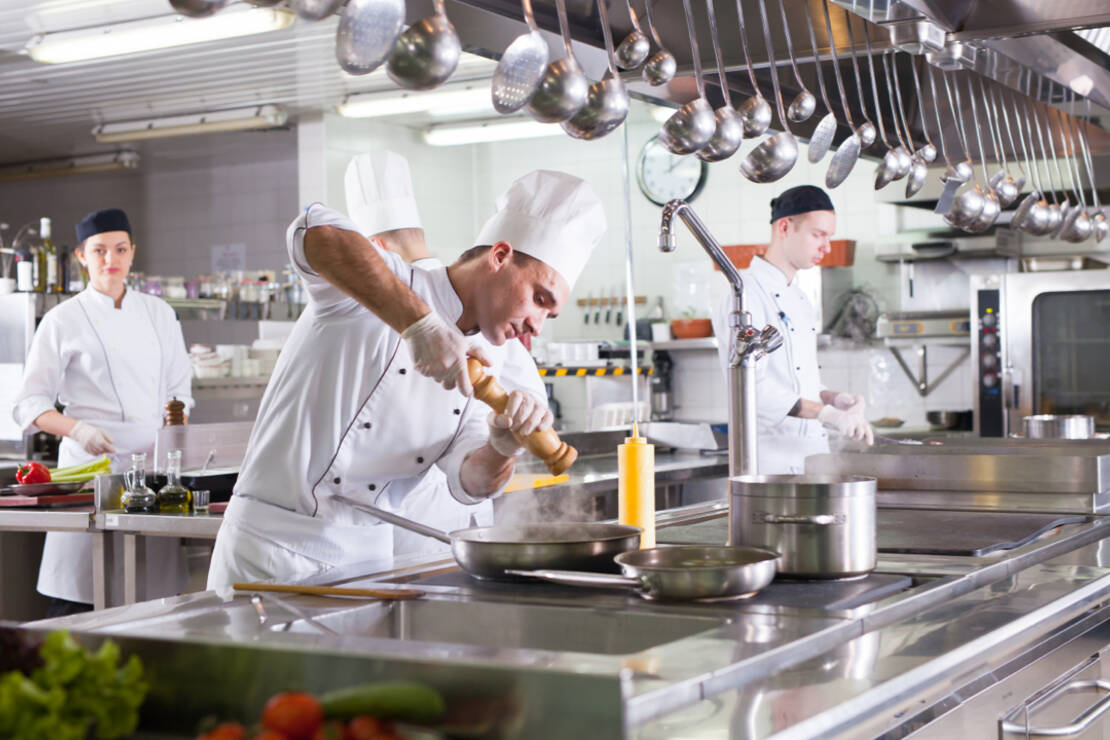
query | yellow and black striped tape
[581, 372]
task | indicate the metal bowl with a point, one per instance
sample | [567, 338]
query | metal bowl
[939, 420]
[1054, 426]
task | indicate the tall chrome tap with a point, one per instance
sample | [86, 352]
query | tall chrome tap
[746, 343]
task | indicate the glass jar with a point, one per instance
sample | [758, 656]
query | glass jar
[174, 498]
[137, 498]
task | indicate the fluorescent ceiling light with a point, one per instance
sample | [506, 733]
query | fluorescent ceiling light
[239, 119]
[444, 102]
[77, 165]
[478, 133]
[149, 34]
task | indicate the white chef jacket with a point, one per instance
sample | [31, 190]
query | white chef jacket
[345, 419]
[114, 369]
[430, 501]
[786, 375]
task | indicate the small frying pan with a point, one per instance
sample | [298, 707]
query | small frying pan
[679, 572]
[490, 552]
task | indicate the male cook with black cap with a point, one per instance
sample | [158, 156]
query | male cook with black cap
[793, 406]
[112, 357]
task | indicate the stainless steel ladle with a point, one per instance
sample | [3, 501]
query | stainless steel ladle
[520, 68]
[847, 154]
[1031, 215]
[563, 89]
[962, 170]
[928, 150]
[896, 162]
[997, 102]
[1077, 224]
[822, 136]
[366, 33]
[634, 49]
[968, 204]
[1003, 185]
[729, 132]
[1057, 208]
[915, 178]
[426, 53]
[607, 101]
[692, 126]
[804, 103]
[661, 66]
[1101, 225]
[951, 172]
[866, 130]
[755, 112]
[991, 206]
[776, 155]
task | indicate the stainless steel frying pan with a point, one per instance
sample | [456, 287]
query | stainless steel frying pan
[679, 572]
[489, 552]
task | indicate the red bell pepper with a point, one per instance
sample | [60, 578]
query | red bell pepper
[32, 472]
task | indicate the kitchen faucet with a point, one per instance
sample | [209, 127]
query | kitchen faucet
[746, 343]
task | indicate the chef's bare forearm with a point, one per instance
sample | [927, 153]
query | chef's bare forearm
[806, 409]
[828, 397]
[348, 261]
[54, 422]
[485, 471]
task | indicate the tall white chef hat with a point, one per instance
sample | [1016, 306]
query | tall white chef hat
[552, 216]
[379, 193]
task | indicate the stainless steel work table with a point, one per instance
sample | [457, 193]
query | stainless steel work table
[67, 519]
[606, 664]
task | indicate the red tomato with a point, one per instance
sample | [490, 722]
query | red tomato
[294, 714]
[365, 727]
[32, 472]
[226, 731]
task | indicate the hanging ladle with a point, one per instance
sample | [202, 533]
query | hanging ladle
[775, 156]
[961, 170]
[1003, 185]
[661, 66]
[520, 68]
[804, 103]
[821, 138]
[634, 49]
[847, 154]
[316, 10]
[896, 162]
[928, 150]
[915, 178]
[692, 126]
[997, 104]
[729, 132]
[1056, 208]
[968, 204]
[607, 101]
[1102, 227]
[755, 112]
[991, 206]
[563, 89]
[426, 53]
[1077, 225]
[866, 131]
[951, 178]
[366, 33]
[1031, 215]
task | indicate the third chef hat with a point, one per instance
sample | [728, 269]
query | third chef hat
[379, 193]
[798, 200]
[99, 222]
[552, 216]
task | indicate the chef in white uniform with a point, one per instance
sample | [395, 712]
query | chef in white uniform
[793, 406]
[112, 357]
[381, 202]
[371, 387]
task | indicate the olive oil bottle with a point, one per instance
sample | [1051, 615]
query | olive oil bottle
[174, 498]
[137, 498]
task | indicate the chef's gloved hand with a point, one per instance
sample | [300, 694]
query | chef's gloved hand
[523, 414]
[439, 351]
[848, 423]
[93, 440]
[850, 402]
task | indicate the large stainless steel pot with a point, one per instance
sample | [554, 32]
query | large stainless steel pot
[824, 526]
[1052, 426]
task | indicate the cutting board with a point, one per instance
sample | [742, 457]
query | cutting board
[49, 500]
[524, 481]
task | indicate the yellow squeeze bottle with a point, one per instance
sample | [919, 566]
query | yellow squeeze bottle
[636, 485]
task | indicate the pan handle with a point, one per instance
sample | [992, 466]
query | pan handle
[404, 522]
[820, 519]
[580, 578]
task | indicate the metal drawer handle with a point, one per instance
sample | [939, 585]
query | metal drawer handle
[1082, 721]
[821, 519]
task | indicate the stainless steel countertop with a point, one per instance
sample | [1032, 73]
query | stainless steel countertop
[61, 519]
[745, 662]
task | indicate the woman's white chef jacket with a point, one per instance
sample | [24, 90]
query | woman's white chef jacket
[345, 419]
[786, 375]
[115, 369]
[430, 501]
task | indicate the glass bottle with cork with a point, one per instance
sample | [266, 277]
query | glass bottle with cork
[137, 498]
[174, 498]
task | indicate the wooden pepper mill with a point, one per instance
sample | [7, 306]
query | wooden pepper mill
[545, 444]
[175, 413]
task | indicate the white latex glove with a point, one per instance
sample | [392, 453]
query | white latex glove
[439, 351]
[848, 423]
[93, 440]
[524, 414]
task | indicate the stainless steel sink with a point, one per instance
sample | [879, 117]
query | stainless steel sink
[509, 625]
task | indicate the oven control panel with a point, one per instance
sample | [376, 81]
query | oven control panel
[992, 413]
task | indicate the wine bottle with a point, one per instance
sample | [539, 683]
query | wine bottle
[53, 282]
